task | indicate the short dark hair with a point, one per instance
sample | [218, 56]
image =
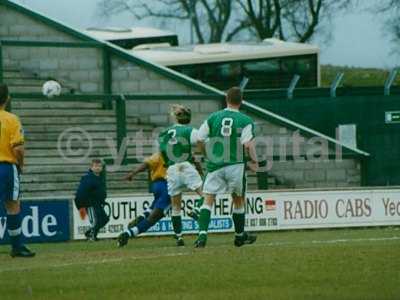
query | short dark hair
[96, 161]
[234, 95]
[3, 94]
[182, 113]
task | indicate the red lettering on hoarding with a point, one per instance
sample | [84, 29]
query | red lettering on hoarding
[270, 204]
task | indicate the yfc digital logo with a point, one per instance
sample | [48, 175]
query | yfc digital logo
[42, 221]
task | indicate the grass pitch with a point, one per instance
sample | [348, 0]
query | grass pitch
[355, 77]
[320, 264]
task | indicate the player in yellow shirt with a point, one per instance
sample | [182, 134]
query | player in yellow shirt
[162, 201]
[11, 166]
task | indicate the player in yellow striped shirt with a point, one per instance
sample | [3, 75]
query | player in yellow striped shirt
[11, 166]
[162, 202]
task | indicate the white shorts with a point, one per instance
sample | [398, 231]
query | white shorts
[182, 176]
[229, 179]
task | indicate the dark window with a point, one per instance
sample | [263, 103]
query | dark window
[263, 73]
[191, 71]
[131, 43]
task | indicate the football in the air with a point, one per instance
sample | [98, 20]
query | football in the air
[51, 89]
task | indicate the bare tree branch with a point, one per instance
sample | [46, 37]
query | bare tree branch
[219, 20]
[389, 11]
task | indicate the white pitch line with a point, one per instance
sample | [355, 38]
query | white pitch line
[336, 241]
[393, 238]
[94, 262]
[270, 244]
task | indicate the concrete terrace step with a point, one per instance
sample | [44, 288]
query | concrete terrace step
[75, 177]
[55, 153]
[60, 128]
[33, 137]
[34, 161]
[102, 152]
[45, 145]
[49, 104]
[68, 168]
[24, 81]
[132, 124]
[15, 74]
[72, 186]
[70, 194]
[135, 127]
[63, 112]
[69, 120]
[100, 127]
[74, 160]
[25, 88]
[95, 144]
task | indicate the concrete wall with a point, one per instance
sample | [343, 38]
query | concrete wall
[80, 69]
[307, 169]
[16, 26]
[158, 112]
[128, 77]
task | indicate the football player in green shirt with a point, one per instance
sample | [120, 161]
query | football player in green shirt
[176, 147]
[227, 140]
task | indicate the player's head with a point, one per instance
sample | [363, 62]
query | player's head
[234, 97]
[181, 113]
[96, 166]
[4, 96]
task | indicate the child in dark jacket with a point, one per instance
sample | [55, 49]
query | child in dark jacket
[92, 194]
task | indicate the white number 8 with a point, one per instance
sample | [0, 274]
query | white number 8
[226, 129]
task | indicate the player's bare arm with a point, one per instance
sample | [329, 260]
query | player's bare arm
[252, 154]
[141, 168]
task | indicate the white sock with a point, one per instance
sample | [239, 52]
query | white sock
[133, 232]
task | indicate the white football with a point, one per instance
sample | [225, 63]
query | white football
[51, 89]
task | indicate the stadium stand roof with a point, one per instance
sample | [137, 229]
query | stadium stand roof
[119, 33]
[197, 54]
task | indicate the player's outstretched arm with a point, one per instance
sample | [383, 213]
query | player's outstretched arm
[142, 167]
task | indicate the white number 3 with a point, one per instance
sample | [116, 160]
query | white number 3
[172, 135]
